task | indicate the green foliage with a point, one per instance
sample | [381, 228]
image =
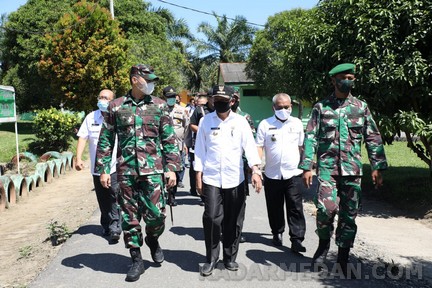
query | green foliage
[21, 49]
[58, 233]
[88, 55]
[53, 129]
[25, 252]
[389, 41]
[228, 41]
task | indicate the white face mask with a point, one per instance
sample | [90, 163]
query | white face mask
[283, 114]
[146, 88]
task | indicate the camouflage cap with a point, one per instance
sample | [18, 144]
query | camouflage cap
[342, 68]
[169, 91]
[223, 91]
[145, 71]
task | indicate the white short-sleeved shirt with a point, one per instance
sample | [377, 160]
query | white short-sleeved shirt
[219, 148]
[281, 141]
[89, 130]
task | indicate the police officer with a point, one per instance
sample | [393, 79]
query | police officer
[222, 138]
[334, 133]
[107, 198]
[179, 117]
[147, 149]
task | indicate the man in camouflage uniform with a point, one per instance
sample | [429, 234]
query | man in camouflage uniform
[147, 148]
[335, 132]
[180, 120]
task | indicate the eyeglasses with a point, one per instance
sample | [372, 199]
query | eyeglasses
[282, 107]
[103, 97]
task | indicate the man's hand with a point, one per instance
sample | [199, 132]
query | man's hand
[256, 182]
[79, 165]
[105, 180]
[377, 178]
[198, 179]
[171, 179]
[307, 178]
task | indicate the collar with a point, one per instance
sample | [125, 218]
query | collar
[130, 99]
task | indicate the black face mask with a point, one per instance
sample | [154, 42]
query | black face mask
[221, 107]
[235, 106]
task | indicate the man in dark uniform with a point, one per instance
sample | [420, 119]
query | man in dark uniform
[334, 133]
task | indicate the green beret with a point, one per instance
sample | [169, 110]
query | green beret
[342, 68]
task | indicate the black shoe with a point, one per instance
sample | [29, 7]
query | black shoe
[115, 236]
[320, 255]
[155, 250]
[106, 232]
[277, 239]
[297, 247]
[180, 185]
[137, 267]
[207, 268]
[231, 265]
[343, 262]
[242, 239]
[201, 203]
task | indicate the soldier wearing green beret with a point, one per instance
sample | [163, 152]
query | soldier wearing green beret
[338, 126]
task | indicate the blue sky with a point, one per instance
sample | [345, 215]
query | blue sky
[253, 11]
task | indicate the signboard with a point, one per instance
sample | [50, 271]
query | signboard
[7, 104]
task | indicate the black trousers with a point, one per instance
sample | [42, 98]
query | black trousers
[192, 174]
[278, 193]
[107, 200]
[224, 213]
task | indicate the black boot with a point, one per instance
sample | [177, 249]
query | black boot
[137, 267]
[320, 254]
[155, 250]
[342, 261]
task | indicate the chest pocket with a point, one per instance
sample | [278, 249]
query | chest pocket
[328, 127]
[125, 118]
[355, 126]
[151, 119]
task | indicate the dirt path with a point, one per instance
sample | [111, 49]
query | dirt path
[69, 199]
[24, 250]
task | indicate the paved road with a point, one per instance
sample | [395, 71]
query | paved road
[88, 260]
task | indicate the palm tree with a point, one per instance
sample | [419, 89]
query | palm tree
[227, 42]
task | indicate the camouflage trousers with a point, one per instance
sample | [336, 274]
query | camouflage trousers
[141, 196]
[338, 195]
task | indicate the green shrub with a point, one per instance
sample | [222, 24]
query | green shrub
[53, 129]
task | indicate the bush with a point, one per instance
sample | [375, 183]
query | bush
[53, 129]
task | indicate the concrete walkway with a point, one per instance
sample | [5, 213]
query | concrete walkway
[88, 260]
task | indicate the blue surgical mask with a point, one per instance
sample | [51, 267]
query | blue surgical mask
[171, 101]
[103, 105]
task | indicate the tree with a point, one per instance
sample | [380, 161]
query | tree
[87, 56]
[22, 47]
[389, 41]
[284, 56]
[227, 42]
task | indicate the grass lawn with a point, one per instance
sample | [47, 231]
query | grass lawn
[8, 142]
[407, 181]
[25, 136]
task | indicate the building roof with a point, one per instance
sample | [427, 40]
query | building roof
[234, 73]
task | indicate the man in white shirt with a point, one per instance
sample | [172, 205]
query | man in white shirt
[222, 138]
[106, 197]
[281, 137]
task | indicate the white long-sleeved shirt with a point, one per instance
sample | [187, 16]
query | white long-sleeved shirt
[90, 129]
[281, 141]
[219, 148]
